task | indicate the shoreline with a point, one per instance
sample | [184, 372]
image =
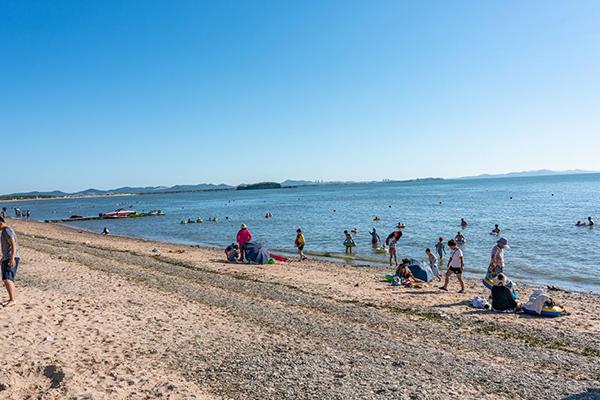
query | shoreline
[316, 255]
[213, 330]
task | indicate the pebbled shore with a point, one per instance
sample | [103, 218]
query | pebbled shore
[103, 317]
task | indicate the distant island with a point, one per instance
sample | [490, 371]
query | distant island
[261, 185]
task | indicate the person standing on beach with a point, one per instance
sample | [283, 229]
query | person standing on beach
[299, 242]
[10, 260]
[456, 265]
[375, 239]
[496, 266]
[433, 263]
[243, 237]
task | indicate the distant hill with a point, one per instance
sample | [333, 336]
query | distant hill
[539, 172]
[121, 190]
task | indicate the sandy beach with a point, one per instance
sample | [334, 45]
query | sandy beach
[105, 317]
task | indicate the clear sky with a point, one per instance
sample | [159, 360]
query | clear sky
[110, 93]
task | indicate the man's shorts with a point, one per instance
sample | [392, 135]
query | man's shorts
[8, 273]
[455, 270]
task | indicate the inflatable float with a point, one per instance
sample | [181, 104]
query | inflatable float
[381, 251]
[547, 311]
[460, 242]
[401, 226]
[487, 283]
[493, 233]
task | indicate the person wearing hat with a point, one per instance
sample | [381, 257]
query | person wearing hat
[502, 296]
[496, 266]
[243, 237]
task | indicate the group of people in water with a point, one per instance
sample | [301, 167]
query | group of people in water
[18, 213]
[590, 222]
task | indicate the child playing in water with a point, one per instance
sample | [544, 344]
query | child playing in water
[349, 242]
[496, 230]
[392, 250]
[433, 264]
[299, 242]
[456, 265]
[440, 248]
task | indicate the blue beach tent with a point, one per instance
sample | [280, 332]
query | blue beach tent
[256, 253]
[420, 271]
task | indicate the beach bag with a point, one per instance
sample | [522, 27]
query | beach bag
[480, 302]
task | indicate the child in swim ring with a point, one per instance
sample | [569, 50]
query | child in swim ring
[349, 242]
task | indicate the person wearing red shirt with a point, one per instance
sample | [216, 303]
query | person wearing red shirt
[243, 236]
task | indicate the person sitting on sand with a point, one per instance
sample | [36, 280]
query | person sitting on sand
[456, 265]
[10, 260]
[348, 242]
[590, 221]
[404, 273]
[502, 296]
[299, 242]
[243, 236]
[433, 263]
[232, 254]
[463, 223]
[459, 238]
[440, 248]
[496, 266]
[375, 239]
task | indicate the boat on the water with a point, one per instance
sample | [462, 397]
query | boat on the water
[120, 213]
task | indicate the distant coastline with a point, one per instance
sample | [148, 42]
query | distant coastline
[289, 183]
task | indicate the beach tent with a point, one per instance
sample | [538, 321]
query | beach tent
[256, 253]
[420, 271]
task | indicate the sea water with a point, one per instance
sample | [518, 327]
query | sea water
[537, 215]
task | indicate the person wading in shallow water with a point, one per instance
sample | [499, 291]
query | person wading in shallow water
[10, 260]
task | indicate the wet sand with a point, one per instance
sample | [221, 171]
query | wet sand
[105, 317]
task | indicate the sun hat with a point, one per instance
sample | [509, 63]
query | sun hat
[504, 242]
[243, 226]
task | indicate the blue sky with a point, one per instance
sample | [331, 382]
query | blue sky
[111, 93]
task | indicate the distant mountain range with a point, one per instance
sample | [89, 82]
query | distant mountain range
[522, 174]
[286, 184]
[124, 190]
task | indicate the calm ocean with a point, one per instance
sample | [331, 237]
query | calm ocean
[537, 215]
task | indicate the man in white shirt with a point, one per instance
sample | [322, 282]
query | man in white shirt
[456, 265]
